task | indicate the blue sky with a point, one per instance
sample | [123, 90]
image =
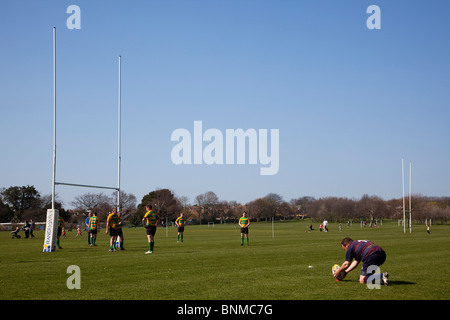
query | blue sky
[349, 102]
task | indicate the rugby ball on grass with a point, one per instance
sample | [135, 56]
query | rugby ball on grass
[341, 275]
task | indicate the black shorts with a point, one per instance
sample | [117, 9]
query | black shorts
[119, 232]
[244, 230]
[151, 230]
[58, 233]
[375, 259]
[180, 229]
[93, 231]
[113, 232]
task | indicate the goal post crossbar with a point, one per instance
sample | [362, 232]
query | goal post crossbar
[86, 186]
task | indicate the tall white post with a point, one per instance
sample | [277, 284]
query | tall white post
[51, 223]
[118, 138]
[410, 217]
[54, 118]
[167, 227]
[273, 230]
[403, 188]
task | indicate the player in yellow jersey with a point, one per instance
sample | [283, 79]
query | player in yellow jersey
[93, 226]
[112, 223]
[180, 224]
[150, 222]
[244, 222]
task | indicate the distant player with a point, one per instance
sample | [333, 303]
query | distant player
[119, 230]
[244, 222]
[93, 227]
[325, 225]
[180, 224]
[111, 227]
[367, 252]
[86, 223]
[150, 222]
[78, 231]
[58, 234]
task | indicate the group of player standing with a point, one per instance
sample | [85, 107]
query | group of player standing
[150, 221]
[356, 251]
[113, 228]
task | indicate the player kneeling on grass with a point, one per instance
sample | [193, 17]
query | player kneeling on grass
[367, 252]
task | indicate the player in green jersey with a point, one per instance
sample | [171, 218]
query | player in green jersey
[244, 222]
[150, 222]
[93, 225]
[180, 224]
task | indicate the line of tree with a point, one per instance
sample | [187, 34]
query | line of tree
[23, 203]
[18, 204]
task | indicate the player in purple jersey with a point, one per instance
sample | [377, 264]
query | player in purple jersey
[367, 252]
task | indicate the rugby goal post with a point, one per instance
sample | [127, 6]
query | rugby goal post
[53, 214]
[404, 209]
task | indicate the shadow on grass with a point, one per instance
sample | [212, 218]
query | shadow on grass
[400, 282]
[391, 282]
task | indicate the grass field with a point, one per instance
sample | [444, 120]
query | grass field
[211, 265]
